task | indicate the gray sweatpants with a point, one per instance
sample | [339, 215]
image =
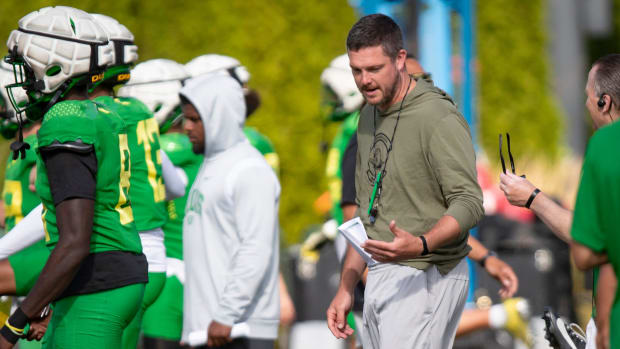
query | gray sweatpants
[410, 308]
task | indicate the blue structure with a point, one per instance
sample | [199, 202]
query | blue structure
[435, 40]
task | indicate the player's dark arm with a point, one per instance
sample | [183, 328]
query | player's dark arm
[75, 219]
[71, 172]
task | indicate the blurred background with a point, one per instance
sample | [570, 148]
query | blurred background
[513, 66]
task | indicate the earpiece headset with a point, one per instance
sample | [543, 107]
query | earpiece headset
[601, 103]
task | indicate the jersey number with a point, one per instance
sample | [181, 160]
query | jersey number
[148, 132]
[123, 207]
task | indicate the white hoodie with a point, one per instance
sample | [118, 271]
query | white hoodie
[230, 231]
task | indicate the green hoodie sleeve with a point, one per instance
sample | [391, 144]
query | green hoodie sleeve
[453, 159]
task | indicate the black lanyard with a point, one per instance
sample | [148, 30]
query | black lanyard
[376, 191]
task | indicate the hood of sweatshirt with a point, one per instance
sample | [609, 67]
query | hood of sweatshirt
[423, 91]
[220, 103]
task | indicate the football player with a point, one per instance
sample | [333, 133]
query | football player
[96, 272]
[157, 83]
[148, 193]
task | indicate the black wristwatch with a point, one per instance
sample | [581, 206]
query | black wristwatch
[531, 198]
[425, 250]
[484, 259]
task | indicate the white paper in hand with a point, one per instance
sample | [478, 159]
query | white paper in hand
[197, 338]
[353, 230]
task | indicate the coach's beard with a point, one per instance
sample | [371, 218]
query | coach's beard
[389, 95]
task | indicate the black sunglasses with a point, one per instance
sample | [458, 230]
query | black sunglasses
[501, 155]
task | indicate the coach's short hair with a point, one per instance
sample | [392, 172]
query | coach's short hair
[607, 77]
[375, 30]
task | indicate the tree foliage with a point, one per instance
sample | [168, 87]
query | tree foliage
[284, 44]
[515, 94]
[287, 43]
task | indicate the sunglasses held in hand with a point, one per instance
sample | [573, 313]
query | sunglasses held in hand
[501, 155]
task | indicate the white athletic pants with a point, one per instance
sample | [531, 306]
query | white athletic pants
[410, 308]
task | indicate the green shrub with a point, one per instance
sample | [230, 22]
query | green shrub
[514, 80]
[285, 45]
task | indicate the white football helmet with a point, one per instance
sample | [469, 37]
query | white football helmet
[58, 43]
[124, 51]
[338, 78]
[218, 64]
[157, 83]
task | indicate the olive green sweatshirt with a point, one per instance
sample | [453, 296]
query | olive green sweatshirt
[431, 171]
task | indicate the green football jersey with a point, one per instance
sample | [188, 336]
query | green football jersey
[179, 149]
[264, 146]
[147, 193]
[19, 200]
[333, 169]
[113, 223]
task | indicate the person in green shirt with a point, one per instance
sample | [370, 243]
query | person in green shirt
[18, 195]
[96, 271]
[595, 225]
[20, 270]
[148, 192]
[594, 232]
[520, 192]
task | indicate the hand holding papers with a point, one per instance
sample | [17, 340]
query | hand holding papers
[355, 233]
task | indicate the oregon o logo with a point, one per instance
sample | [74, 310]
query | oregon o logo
[377, 157]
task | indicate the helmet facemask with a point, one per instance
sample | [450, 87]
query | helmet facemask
[37, 103]
[24, 79]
